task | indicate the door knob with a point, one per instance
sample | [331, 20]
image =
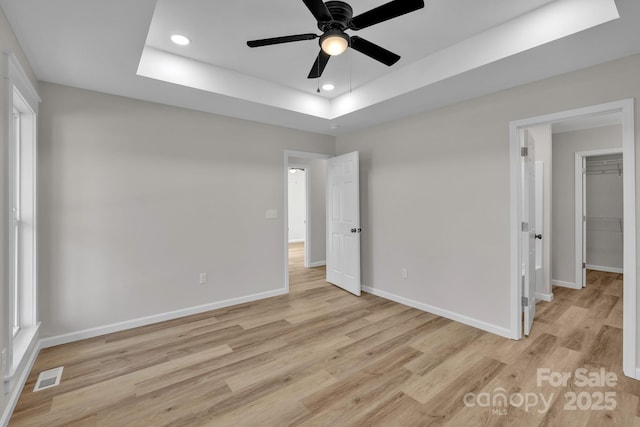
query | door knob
[538, 236]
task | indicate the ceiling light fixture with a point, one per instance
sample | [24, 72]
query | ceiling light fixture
[328, 86]
[334, 42]
[181, 40]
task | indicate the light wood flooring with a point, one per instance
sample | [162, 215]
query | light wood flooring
[322, 357]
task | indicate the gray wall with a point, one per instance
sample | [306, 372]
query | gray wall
[316, 174]
[8, 43]
[604, 203]
[137, 199]
[435, 191]
[565, 145]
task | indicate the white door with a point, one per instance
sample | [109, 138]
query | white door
[528, 229]
[540, 267]
[343, 222]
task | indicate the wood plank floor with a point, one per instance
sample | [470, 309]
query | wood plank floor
[321, 357]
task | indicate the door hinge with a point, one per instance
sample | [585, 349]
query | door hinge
[525, 302]
[584, 265]
[524, 151]
[525, 226]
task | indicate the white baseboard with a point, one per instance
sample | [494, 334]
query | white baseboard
[504, 332]
[296, 240]
[605, 269]
[19, 382]
[143, 321]
[318, 263]
[564, 284]
[544, 297]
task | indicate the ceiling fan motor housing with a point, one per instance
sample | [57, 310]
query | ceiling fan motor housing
[341, 13]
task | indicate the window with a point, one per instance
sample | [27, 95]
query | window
[14, 234]
[21, 214]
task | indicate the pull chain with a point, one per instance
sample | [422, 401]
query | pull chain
[350, 83]
[318, 90]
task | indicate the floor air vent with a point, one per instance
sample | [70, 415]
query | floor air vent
[48, 379]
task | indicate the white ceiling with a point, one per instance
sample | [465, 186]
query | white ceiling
[451, 50]
[219, 31]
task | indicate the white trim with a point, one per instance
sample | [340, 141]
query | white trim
[630, 308]
[605, 269]
[489, 327]
[23, 341]
[578, 221]
[515, 243]
[143, 321]
[18, 78]
[544, 297]
[296, 241]
[302, 155]
[18, 385]
[318, 264]
[578, 205]
[563, 284]
[626, 108]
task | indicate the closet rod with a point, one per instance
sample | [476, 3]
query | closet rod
[604, 162]
[605, 172]
[590, 218]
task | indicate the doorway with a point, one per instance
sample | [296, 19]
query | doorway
[297, 209]
[599, 212]
[626, 112]
[305, 223]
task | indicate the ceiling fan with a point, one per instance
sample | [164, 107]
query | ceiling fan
[334, 17]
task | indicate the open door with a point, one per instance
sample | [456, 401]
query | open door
[528, 231]
[343, 222]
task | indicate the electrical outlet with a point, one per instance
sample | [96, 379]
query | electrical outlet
[404, 273]
[203, 278]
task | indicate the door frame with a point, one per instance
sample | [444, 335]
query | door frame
[626, 108]
[302, 155]
[580, 199]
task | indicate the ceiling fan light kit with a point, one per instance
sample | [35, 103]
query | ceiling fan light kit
[334, 42]
[334, 18]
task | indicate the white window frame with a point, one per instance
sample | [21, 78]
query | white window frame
[21, 98]
[13, 153]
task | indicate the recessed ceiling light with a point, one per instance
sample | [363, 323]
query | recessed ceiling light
[181, 40]
[328, 86]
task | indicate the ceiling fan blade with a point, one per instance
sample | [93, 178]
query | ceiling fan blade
[319, 10]
[374, 51]
[318, 65]
[387, 11]
[283, 39]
